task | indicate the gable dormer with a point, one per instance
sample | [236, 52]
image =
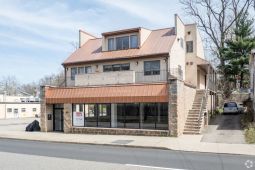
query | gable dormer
[124, 39]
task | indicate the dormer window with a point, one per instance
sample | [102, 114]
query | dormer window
[123, 42]
[133, 41]
[111, 44]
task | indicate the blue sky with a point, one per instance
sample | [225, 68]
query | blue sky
[36, 36]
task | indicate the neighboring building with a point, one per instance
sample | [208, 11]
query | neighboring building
[133, 81]
[19, 106]
[252, 77]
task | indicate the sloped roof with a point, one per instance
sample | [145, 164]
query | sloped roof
[158, 42]
[129, 93]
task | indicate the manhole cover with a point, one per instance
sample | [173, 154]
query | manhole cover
[122, 142]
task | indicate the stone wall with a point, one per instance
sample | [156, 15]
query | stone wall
[67, 118]
[43, 117]
[118, 131]
[181, 97]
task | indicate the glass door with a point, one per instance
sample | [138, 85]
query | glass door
[58, 119]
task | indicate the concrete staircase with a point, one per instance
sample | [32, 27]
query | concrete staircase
[193, 125]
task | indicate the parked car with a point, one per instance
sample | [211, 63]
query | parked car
[232, 108]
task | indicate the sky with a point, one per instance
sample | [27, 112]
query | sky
[37, 36]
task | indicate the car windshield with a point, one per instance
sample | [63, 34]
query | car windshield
[231, 104]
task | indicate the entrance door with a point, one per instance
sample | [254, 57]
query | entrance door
[58, 119]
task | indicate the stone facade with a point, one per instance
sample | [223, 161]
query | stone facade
[181, 97]
[43, 110]
[118, 131]
[67, 118]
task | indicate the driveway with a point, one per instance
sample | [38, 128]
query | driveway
[224, 129]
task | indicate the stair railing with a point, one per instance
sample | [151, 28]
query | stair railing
[204, 100]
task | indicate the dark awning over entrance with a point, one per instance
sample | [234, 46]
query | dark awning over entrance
[108, 94]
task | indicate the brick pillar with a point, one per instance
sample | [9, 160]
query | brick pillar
[172, 107]
[67, 118]
[43, 116]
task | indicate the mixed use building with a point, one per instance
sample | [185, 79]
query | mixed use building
[133, 81]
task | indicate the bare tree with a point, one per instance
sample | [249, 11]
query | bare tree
[9, 84]
[53, 79]
[216, 18]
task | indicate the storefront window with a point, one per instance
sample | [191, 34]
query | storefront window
[132, 116]
[149, 115]
[78, 115]
[104, 115]
[121, 115]
[162, 117]
[90, 115]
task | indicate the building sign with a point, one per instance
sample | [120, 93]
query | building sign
[78, 119]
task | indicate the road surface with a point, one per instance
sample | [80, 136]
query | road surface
[22, 154]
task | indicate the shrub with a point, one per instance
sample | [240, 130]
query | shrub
[246, 119]
[250, 134]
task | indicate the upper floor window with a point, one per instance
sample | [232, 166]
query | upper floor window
[116, 67]
[122, 43]
[9, 110]
[189, 46]
[152, 67]
[73, 73]
[133, 41]
[80, 70]
[23, 109]
[181, 42]
[111, 44]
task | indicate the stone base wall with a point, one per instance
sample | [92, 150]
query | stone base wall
[117, 131]
[67, 118]
[181, 97]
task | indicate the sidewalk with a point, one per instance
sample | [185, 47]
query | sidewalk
[184, 143]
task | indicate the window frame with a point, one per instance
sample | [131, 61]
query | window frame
[151, 71]
[73, 74]
[189, 47]
[137, 44]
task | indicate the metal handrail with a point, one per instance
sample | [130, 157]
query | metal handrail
[203, 100]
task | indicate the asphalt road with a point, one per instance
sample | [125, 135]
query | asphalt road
[88, 156]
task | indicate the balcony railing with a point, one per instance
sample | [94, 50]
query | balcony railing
[117, 77]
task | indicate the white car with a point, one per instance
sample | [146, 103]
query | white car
[232, 107]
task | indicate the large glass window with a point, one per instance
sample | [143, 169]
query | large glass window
[152, 67]
[133, 41]
[189, 46]
[111, 44]
[90, 115]
[149, 115]
[132, 116]
[73, 73]
[122, 43]
[104, 115]
[116, 67]
[120, 115]
[78, 114]
[162, 116]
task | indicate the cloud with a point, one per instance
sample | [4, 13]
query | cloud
[156, 12]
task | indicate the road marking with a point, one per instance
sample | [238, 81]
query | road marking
[152, 167]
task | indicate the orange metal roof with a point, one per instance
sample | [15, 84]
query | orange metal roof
[108, 94]
[159, 42]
